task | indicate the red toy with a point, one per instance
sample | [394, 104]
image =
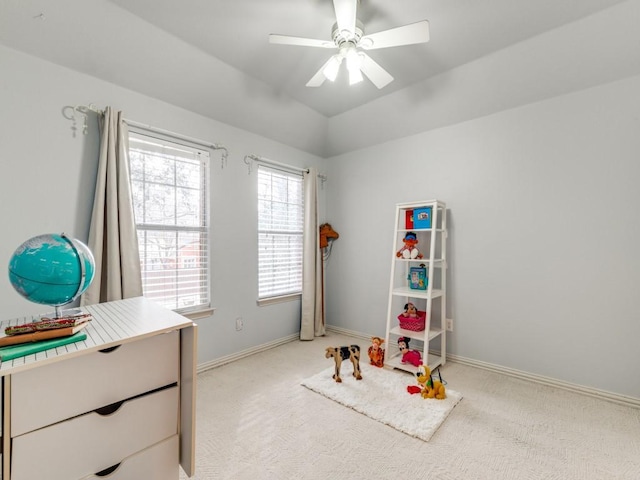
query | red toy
[409, 356]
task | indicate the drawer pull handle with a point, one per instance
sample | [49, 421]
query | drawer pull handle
[110, 349]
[108, 471]
[109, 409]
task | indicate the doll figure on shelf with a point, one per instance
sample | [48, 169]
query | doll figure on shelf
[376, 352]
[410, 311]
[409, 356]
[409, 250]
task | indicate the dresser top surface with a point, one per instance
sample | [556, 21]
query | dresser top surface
[113, 323]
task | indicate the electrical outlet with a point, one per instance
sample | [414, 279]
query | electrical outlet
[450, 324]
[239, 324]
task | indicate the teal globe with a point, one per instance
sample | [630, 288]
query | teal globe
[51, 269]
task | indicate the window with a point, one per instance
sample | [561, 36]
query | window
[170, 185]
[280, 227]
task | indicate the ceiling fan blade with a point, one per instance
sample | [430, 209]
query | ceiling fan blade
[406, 35]
[346, 14]
[378, 75]
[305, 42]
[319, 78]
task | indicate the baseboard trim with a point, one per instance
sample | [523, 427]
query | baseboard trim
[218, 362]
[552, 382]
[350, 333]
[531, 377]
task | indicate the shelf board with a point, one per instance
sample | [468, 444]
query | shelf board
[422, 203]
[410, 292]
[433, 333]
[438, 262]
[437, 230]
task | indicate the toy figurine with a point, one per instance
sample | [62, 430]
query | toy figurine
[410, 310]
[409, 356]
[351, 352]
[376, 352]
[428, 387]
[409, 250]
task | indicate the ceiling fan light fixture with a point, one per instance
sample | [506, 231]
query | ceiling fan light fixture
[333, 66]
[354, 64]
[355, 76]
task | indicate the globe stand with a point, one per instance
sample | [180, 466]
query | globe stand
[60, 313]
[83, 276]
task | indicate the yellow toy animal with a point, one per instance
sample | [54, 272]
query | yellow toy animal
[430, 388]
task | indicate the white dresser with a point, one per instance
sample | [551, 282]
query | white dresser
[119, 405]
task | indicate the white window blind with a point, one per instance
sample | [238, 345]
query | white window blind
[170, 185]
[280, 228]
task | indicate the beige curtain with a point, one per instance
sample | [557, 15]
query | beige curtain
[312, 315]
[112, 235]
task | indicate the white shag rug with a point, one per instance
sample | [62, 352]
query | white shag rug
[382, 395]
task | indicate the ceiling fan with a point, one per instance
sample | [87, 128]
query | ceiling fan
[348, 37]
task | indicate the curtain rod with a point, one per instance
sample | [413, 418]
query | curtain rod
[195, 141]
[69, 113]
[272, 162]
[257, 158]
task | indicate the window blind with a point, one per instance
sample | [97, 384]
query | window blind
[280, 228]
[170, 186]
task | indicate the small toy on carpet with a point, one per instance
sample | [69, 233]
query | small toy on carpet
[352, 352]
[409, 250]
[409, 356]
[428, 387]
[376, 352]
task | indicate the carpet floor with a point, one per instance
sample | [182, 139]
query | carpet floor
[255, 421]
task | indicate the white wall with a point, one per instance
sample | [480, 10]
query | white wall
[47, 184]
[544, 226]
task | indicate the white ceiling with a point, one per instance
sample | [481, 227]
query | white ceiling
[146, 45]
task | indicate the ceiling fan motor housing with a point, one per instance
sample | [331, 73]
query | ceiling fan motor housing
[339, 37]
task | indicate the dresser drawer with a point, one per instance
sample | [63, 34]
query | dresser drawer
[159, 462]
[52, 393]
[91, 443]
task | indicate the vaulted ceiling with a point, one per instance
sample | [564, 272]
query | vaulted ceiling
[130, 42]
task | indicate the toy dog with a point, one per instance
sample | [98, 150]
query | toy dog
[430, 388]
[352, 352]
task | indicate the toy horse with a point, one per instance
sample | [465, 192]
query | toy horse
[327, 234]
[352, 352]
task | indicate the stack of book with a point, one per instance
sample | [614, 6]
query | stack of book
[21, 340]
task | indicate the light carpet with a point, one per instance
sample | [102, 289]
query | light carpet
[382, 395]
